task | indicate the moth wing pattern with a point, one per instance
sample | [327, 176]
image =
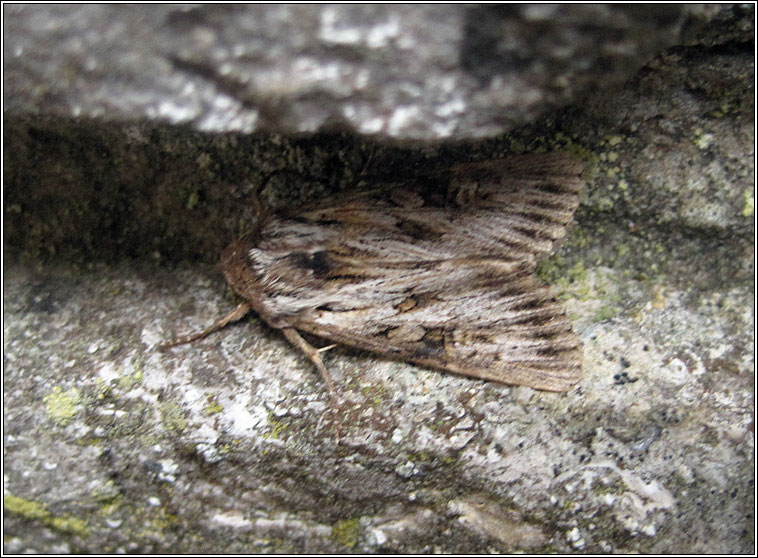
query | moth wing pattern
[438, 272]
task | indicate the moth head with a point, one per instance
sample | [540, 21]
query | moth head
[235, 264]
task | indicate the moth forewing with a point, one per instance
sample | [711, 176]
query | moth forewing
[440, 276]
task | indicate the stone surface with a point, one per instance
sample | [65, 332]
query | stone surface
[423, 72]
[229, 444]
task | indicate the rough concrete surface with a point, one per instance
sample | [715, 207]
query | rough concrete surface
[423, 71]
[111, 231]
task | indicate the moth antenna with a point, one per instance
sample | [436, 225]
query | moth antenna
[233, 316]
[367, 163]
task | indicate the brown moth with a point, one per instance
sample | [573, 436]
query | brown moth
[438, 273]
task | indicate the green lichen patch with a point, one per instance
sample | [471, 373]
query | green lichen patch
[62, 406]
[130, 381]
[277, 426]
[173, 417]
[346, 532]
[212, 406]
[702, 139]
[68, 524]
[595, 290]
[24, 508]
[566, 281]
[749, 209]
[35, 511]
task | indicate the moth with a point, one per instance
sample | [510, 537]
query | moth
[438, 272]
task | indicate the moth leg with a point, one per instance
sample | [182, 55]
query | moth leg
[233, 316]
[314, 354]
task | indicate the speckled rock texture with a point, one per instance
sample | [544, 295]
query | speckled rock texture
[114, 217]
[424, 72]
